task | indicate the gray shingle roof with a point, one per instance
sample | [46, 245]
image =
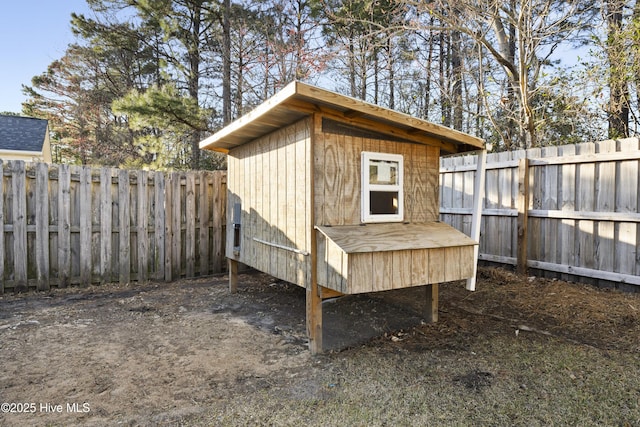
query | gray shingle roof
[22, 133]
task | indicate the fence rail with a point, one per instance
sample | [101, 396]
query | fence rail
[567, 210]
[65, 225]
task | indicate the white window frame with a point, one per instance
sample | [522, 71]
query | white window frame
[367, 187]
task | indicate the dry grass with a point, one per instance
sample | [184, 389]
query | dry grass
[505, 381]
[518, 352]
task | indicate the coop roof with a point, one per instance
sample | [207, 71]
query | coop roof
[298, 100]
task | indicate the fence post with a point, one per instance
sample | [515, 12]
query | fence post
[478, 204]
[523, 214]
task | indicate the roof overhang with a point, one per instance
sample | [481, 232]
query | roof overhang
[298, 100]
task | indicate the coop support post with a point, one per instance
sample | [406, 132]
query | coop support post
[476, 219]
[233, 275]
[431, 303]
[523, 214]
[314, 318]
[314, 295]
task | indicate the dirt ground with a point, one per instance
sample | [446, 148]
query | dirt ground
[166, 353]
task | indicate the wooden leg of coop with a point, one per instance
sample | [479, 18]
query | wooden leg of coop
[233, 276]
[314, 318]
[431, 303]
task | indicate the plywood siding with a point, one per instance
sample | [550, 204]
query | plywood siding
[381, 271]
[337, 156]
[333, 265]
[270, 178]
[380, 257]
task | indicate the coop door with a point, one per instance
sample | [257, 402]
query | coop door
[236, 224]
[382, 187]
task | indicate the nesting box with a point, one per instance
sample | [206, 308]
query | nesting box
[339, 196]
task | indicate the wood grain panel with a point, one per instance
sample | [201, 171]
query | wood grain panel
[402, 268]
[437, 265]
[452, 259]
[352, 180]
[333, 180]
[382, 271]
[360, 273]
[419, 267]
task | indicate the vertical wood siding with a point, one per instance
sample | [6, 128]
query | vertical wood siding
[270, 178]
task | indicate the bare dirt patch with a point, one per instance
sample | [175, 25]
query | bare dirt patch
[191, 353]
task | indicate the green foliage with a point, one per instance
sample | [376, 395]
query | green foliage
[162, 119]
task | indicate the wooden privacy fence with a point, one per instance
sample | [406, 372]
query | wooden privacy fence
[78, 225]
[569, 210]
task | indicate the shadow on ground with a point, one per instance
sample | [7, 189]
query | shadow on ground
[279, 308]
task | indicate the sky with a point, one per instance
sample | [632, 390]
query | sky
[33, 33]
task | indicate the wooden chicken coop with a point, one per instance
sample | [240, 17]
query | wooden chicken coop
[340, 196]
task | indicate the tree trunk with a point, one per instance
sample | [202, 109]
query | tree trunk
[456, 84]
[427, 89]
[443, 66]
[392, 101]
[352, 67]
[193, 82]
[618, 111]
[226, 62]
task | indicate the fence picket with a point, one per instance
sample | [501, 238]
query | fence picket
[142, 224]
[168, 227]
[124, 227]
[42, 225]
[18, 189]
[159, 219]
[64, 225]
[2, 220]
[190, 232]
[218, 238]
[203, 221]
[176, 226]
[85, 226]
[105, 225]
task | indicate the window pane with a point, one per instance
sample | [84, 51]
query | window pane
[383, 202]
[383, 172]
